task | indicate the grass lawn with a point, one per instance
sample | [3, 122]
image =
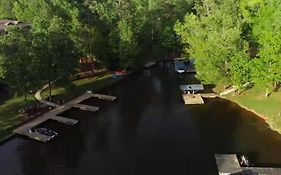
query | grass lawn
[254, 99]
[9, 114]
[9, 117]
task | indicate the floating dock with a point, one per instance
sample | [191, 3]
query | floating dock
[104, 97]
[86, 107]
[192, 99]
[228, 164]
[64, 120]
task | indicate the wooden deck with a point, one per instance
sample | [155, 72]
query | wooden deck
[192, 99]
[228, 164]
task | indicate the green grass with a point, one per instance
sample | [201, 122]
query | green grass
[9, 117]
[9, 113]
[254, 100]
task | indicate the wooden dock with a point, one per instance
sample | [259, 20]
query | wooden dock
[53, 114]
[228, 164]
[86, 107]
[192, 99]
[64, 120]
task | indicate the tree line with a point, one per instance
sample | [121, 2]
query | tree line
[232, 41]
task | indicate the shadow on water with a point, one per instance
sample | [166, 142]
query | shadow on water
[148, 130]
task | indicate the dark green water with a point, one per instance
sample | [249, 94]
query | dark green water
[147, 131]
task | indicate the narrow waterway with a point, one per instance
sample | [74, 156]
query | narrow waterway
[147, 131]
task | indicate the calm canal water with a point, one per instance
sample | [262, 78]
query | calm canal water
[147, 131]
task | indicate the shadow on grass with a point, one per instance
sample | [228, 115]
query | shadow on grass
[72, 90]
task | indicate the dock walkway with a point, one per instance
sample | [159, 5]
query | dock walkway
[41, 100]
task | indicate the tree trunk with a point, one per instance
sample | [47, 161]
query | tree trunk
[267, 93]
[50, 90]
[25, 101]
[275, 85]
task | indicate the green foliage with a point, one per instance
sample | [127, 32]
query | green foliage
[147, 27]
[18, 62]
[240, 69]
[128, 47]
[6, 7]
[267, 31]
[250, 8]
[213, 36]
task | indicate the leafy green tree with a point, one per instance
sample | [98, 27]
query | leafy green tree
[128, 47]
[240, 69]
[267, 31]
[19, 64]
[212, 35]
[54, 29]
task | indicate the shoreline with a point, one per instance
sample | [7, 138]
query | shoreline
[261, 116]
[246, 108]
